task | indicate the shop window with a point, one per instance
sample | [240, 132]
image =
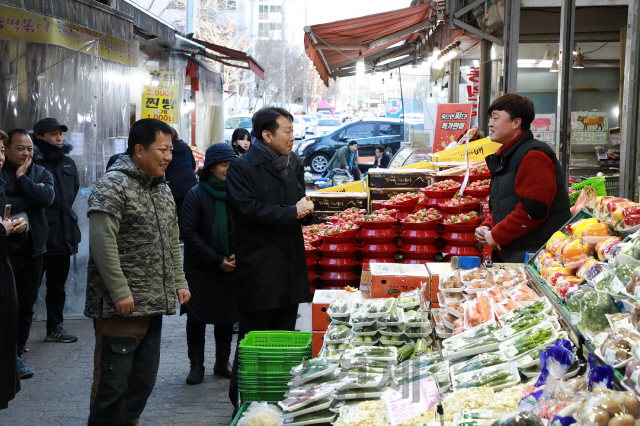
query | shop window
[263, 12]
[263, 29]
[275, 9]
[273, 26]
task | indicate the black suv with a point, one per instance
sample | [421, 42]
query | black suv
[316, 152]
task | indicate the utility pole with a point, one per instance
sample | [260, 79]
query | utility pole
[305, 71]
[252, 48]
[192, 17]
[283, 74]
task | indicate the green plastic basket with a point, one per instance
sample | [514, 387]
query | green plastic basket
[285, 342]
[263, 396]
[597, 183]
[264, 375]
[268, 366]
[612, 183]
[241, 411]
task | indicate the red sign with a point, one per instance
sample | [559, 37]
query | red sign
[473, 89]
[451, 123]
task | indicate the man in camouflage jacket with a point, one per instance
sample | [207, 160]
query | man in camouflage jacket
[134, 273]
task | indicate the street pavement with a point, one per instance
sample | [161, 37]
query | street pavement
[58, 393]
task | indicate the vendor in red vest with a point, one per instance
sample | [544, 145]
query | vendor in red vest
[529, 199]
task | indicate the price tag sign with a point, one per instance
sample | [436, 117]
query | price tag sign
[610, 356]
[400, 409]
[575, 318]
[525, 360]
[511, 351]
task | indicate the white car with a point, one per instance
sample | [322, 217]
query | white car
[339, 115]
[299, 127]
[236, 122]
[327, 125]
[311, 123]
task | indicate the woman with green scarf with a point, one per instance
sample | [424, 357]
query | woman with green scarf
[206, 227]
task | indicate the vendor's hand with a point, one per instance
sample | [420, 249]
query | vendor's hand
[480, 234]
[19, 225]
[125, 306]
[184, 295]
[23, 169]
[8, 226]
[490, 241]
[227, 266]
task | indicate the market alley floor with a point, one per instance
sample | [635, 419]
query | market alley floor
[58, 393]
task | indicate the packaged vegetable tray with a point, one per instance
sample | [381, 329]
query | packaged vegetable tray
[319, 405]
[317, 417]
[537, 337]
[497, 377]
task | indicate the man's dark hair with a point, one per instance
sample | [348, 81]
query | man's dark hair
[353, 143]
[10, 134]
[239, 134]
[265, 119]
[380, 148]
[144, 132]
[517, 106]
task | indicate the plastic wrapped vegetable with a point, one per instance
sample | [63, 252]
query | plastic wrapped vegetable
[594, 270]
[484, 360]
[593, 308]
[634, 282]
[574, 298]
[337, 332]
[605, 246]
[632, 376]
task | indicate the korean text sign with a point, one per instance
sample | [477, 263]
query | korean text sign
[451, 123]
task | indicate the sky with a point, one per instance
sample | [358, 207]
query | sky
[323, 11]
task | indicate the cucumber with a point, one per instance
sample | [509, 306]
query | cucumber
[421, 347]
[405, 352]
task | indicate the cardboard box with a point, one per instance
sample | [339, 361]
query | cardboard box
[321, 217]
[383, 194]
[321, 300]
[391, 279]
[338, 201]
[394, 178]
[317, 339]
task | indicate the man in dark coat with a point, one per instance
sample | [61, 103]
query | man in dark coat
[180, 174]
[383, 158]
[11, 234]
[266, 190]
[29, 190]
[51, 152]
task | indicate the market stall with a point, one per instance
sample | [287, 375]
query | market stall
[466, 344]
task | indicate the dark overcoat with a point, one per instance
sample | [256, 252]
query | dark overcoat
[213, 291]
[271, 269]
[10, 384]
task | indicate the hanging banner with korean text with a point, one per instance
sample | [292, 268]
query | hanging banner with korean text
[451, 123]
[18, 24]
[161, 101]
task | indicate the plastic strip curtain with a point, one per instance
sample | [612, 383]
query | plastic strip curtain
[90, 96]
[209, 109]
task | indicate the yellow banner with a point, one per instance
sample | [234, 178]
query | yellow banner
[18, 24]
[161, 101]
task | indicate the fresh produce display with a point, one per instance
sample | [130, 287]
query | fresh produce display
[445, 185]
[512, 349]
[479, 170]
[617, 346]
[480, 185]
[377, 216]
[462, 201]
[424, 215]
[403, 198]
[490, 377]
[337, 332]
[338, 229]
[462, 217]
[478, 362]
[594, 307]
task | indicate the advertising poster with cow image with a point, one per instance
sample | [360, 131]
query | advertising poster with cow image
[589, 127]
[451, 123]
[543, 127]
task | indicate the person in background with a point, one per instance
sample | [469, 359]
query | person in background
[529, 199]
[207, 230]
[346, 158]
[29, 189]
[383, 158]
[180, 174]
[11, 234]
[240, 141]
[51, 152]
[266, 192]
[134, 273]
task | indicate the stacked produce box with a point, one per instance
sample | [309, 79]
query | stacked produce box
[339, 253]
[377, 236]
[419, 236]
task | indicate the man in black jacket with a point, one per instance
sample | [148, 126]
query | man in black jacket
[29, 190]
[51, 152]
[383, 158]
[266, 192]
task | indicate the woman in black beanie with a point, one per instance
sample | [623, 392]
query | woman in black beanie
[207, 230]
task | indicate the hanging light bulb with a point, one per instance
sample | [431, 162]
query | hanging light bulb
[554, 64]
[435, 88]
[438, 65]
[430, 99]
[155, 79]
[391, 76]
[191, 105]
[382, 80]
[443, 90]
[360, 66]
[547, 54]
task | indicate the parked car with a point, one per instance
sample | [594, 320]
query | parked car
[311, 121]
[339, 116]
[347, 114]
[317, 152]
[235, 122]
[318, 115]
[327, 125]
[299, 127]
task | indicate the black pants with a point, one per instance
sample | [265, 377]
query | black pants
[26, 270]
[223, 334]
[126, 360]
[283, 318]
[56, 269]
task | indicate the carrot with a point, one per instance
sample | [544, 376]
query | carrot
[484, 308]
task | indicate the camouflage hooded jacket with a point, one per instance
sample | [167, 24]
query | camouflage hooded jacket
[146, 241]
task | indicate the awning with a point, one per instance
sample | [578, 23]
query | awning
[335, 47]
[147, 25]
[226, 54]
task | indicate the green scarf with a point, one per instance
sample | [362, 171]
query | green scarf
[222, 231]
